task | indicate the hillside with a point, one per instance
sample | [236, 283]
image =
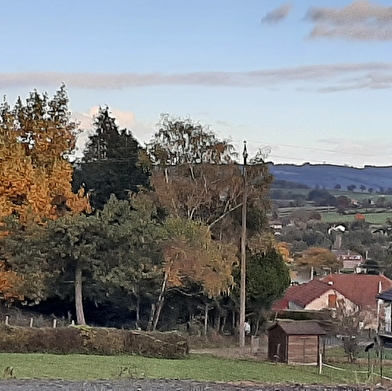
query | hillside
[327, 176]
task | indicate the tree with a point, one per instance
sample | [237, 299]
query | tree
[319, 258]
[192, 257]
[111, 162]
[182, 141]
[351, 187]
[265, 266]
[100, 254]
[321, 197]
[195, 177]
[10, 284]
[337, 187]
[35, 139]
[362, 187]
[348, 322]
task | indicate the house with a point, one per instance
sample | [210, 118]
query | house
[295, 342]
[349, 259]
[385, 321]
[276, 225]
[355, 291]
[314, 295]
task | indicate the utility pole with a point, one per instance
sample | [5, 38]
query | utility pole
[243, 254]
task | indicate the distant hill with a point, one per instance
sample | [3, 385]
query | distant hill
[327, 176]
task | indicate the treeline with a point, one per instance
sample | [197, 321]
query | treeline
[142, 235]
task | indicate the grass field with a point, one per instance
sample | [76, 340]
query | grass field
[373, 218]
[196, 367]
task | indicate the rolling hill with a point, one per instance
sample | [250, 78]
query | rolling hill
[327, 176]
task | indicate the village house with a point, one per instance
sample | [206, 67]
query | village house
[350, 260]
[355, 291]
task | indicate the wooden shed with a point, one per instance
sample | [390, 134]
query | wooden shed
[295, 342]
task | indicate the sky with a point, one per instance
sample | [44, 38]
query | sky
[303, 81]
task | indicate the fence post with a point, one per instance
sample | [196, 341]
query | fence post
[31, 322]
[7, 320]
[54, 323]
[320, 363]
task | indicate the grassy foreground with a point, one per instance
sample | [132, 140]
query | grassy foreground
[197, 367]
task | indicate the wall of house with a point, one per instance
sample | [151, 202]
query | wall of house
[323, 301]
[387, 309]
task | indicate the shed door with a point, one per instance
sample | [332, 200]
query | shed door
[303, 349]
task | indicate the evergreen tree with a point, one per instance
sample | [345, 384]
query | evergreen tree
[110, 163]
[113, 253]
[267, 278]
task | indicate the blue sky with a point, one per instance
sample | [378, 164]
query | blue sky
[310, 81]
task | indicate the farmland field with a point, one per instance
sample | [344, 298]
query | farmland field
[372, 218]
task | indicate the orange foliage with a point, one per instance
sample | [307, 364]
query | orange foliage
[35, 177]
[35, 193]
[284, 250]
[192, 256]
[9, 282]
[360, 217]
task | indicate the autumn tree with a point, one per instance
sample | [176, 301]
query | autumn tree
[319, 258]
[10, 284]
[35, 177]
[192, 257]
[195, 177]
[110, 163]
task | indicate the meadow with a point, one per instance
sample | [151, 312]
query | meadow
[372, 218]
[196, 367]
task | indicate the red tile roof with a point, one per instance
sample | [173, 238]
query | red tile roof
[361, 289]
[301, 295]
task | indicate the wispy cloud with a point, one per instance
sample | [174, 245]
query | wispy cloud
[360, 20]
[278, 14]
[371, 75]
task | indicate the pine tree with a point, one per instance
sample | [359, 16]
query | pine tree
[110, 163]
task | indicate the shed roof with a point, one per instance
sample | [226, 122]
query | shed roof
[386, 295]
[300, 328]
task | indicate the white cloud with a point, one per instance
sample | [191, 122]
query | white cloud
[256, 78]
[360, 20]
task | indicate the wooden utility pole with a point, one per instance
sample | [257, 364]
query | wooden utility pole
[243, 254]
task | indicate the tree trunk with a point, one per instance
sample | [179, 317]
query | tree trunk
[78, 295]
[159, 305]
[205, 319]
[151, 319]
[138, 311]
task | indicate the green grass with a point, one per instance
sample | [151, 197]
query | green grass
[373, 218]
[197, 367]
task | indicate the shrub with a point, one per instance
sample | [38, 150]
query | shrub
[88, 340]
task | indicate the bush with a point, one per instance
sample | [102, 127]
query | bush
[88, 340]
